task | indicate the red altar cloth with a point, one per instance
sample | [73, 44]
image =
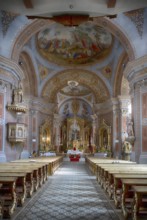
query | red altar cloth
[74, 157]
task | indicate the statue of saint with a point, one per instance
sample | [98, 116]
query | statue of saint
[127, 147]
[20, 92]
[17, 96]
[130, 127]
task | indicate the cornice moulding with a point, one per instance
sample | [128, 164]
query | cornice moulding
[135, 66]
[12, 67]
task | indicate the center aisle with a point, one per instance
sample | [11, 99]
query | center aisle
[71, 193]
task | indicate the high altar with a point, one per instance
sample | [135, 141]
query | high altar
[76, 133]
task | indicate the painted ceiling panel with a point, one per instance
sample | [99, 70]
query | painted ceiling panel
[84, 44]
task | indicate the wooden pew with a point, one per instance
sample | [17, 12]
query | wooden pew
[52, 162]
[29, 176]
[93, 161]
[7, 196]
[44, 165]
[121, 183]
[20, 185]
[103, 171]
[117, 184]
[127, 195]
[107, 177]
[42, 170]
[39, 171]
[139, 204]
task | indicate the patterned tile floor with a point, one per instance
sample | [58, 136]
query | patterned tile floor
[71, 193]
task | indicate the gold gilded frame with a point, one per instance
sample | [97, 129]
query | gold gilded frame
[45, 137]
[104, 136]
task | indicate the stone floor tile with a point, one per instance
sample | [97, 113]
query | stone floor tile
[71, 193]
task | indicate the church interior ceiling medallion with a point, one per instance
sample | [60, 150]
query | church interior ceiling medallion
[84, 44]
[78, 90]
[107, 72]
[43, 71]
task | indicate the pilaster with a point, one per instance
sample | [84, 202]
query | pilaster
[57, 126]
[136, 73]
[3, 88]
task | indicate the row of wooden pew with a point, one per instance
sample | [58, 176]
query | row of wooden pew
[125, 182]
[19, 179]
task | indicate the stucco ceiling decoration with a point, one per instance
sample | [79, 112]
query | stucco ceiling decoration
[121, 65]
[39, 24]
[137, 17]
[6, 19]
[107, 72]
[79, 90]
[125, 87]
[75, 106]
[84, 44]
[84, 78]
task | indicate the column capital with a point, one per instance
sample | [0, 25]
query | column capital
[136, 70]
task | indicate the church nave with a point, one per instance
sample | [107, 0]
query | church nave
[71, 193]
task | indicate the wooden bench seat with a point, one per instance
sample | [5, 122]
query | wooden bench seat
[52, 162]
[139, 205]
[20, 185]
[42, 170]
[92, 162]
[104, 170]
[27, 176]
[117, 184]
[8, 197]
[128, 193]
[30, 176]
[107, 179]
[120, 180]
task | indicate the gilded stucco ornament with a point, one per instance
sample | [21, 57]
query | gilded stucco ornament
[84, 78]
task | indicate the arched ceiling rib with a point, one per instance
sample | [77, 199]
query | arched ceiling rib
[30, 81]
[38, 25]
[119, 74]
[83, 77]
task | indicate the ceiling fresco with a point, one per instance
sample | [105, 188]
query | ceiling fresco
[76, 107]
[84, 44]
